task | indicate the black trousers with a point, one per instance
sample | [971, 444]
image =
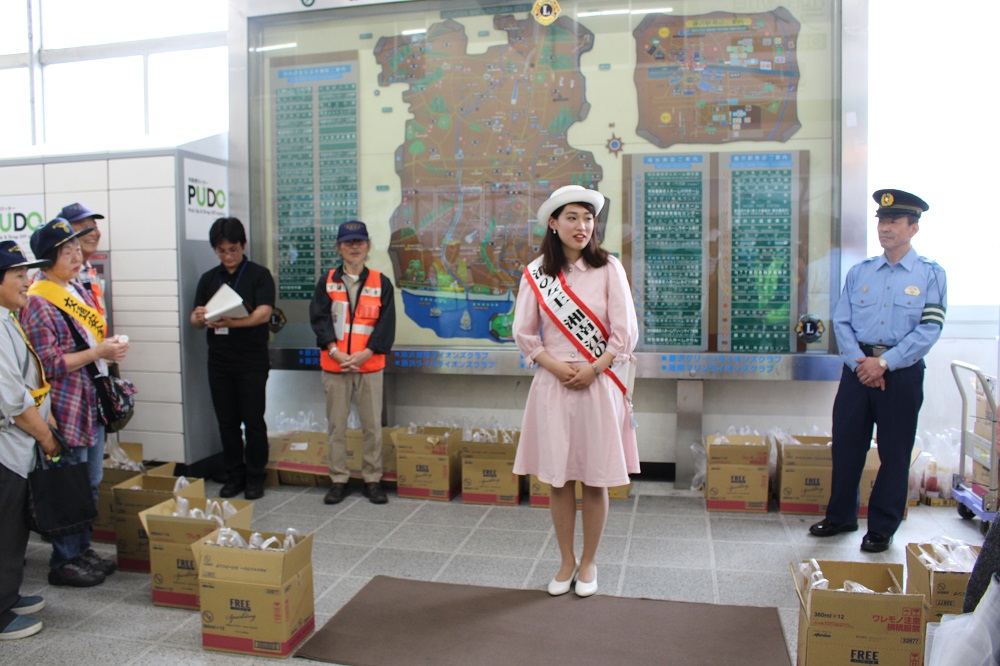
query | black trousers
[856, 410]
[13, 540]
[239, 397]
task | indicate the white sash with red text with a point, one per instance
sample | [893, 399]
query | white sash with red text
[578, 323]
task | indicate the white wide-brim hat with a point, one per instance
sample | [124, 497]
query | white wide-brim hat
[568, 194]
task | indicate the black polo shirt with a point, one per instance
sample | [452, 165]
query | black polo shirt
[241, 346]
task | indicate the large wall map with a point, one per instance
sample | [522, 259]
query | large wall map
[485, 146]
[716, 78]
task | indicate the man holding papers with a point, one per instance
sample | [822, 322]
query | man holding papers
[234, 301]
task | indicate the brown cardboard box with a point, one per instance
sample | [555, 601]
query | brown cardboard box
[620, 492]
[301, 458]
[255, 601]
[428, 463]
[488, 474]
[742, 488]
[980, 474]
[104, 526]
[837, 627]
[132, 496]
[174, 575]
[738, 450]
[943, 590]
[737, 473]
[538, 493]
[802, 476]
[355, 454]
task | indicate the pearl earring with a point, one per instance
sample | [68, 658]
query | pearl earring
[553, 232]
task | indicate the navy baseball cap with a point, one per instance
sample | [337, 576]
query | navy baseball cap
[352, 230]
[897, 203]
[54, 234]
[12, 256]
[76, 212]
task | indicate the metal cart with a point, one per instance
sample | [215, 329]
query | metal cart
[975, 500]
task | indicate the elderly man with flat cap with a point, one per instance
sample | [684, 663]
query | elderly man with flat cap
[888, 317]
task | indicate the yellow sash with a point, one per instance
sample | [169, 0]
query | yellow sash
[90, 318]
[39, 393]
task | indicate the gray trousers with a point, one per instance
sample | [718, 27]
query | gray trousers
[366, 390]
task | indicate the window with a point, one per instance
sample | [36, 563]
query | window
[930, 133]
[188, 94]
[15, 112]
[69, 23]
[94, 104]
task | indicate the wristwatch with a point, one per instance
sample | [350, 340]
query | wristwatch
[597, 370]
[884, 364]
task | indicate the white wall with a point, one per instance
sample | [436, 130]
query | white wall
[137, 196]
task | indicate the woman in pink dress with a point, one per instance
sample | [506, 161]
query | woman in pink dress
[575, 318]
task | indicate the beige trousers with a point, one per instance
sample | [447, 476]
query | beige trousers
[366, 390]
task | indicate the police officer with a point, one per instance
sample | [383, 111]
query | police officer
[888, 317]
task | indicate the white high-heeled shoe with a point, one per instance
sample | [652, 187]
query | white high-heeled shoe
[582, 589]
[558, 587]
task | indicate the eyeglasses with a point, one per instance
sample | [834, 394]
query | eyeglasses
[229, 251]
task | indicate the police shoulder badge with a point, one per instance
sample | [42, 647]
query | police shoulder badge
[546, 11]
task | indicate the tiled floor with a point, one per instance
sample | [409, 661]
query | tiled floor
[659, 544]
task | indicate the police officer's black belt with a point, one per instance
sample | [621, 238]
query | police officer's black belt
[874, 350]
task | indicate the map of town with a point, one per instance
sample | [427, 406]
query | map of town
[485, 146]
[716, 78]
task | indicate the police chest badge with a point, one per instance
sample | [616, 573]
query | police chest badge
[912, 290]
[546, 11]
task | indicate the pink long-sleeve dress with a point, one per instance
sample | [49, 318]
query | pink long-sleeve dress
[578, 435]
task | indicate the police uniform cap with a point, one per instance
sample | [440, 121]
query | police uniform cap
[897, 203]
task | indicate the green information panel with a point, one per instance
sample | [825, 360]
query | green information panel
[669, 250]
[315, 175]
[758, 259]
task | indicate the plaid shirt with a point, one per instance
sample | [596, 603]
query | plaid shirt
[74, 398]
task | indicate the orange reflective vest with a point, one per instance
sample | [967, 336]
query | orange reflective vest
[354, 328]
[93, 283]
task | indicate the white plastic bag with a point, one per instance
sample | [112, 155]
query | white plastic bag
[971, 639]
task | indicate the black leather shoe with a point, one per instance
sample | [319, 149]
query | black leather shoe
[232, 488]
[75, 573]
[874, 542]
[254, 489]
[336, 493]
[98, 563]
[375, 493]
[825, 528]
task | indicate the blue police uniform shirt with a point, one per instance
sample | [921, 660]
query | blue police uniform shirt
[900, 306]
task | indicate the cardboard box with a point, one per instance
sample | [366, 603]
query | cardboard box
[174, 575]
[355, 454]
[980, 474]
[837, 627]
[132, 496]
[300, 457]
[803, 475]
[488, 474]
[428, 463]
[538, 493]
[738, 450]
[620, 492]
[943, 590]
[742, 488]
[104, 525]
[255, 601]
